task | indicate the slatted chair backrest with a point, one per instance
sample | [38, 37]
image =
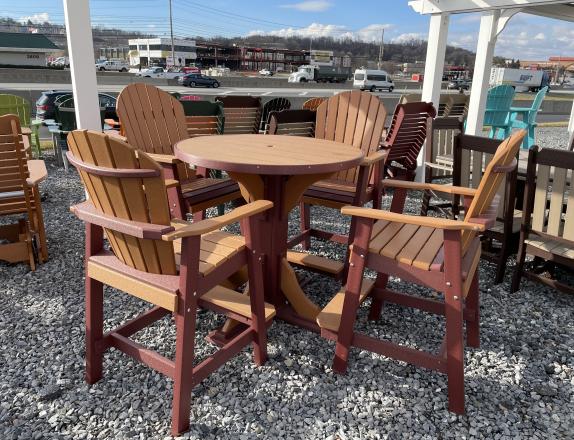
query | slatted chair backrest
[551, 175]
[242, 114]
[536, 104]
[441, 140]
[16, 105]
[273, 105]
[498, 102]
[124, 183]
[354, 118]
[293, 123]
[457, 105]
[203, 117]
[313, 103]
[502, 162]
[408, 132]
[15, 195]
[152, 120]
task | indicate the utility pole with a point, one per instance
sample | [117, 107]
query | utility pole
[171, 32]
[381, 50]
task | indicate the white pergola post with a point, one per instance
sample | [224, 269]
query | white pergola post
[434, 67]
[81, 53]
[482, 67]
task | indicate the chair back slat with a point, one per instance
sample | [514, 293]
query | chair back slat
[569, 216]
[444, 133]
[354, 118]
[152, 120]
[140, 199]
[540, 198]
[313, 103]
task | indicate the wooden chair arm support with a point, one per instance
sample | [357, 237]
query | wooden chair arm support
[164, 158]
[431, 222]
[87, 212]
[116, 135]
[38, 172]
[212, 224]
[375, 157]
[171, 183]
[448, 189]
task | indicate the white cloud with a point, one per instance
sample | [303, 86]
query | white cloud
[309, 6]
[371, 32]
[36, 18]
[408, 38]
[540, 36]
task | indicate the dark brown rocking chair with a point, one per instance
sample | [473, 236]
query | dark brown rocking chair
[178, 267]
[437, 253]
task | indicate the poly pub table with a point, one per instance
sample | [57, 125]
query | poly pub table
[279, 169]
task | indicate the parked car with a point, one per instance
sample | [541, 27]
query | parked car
[60, 62]
[160, 72]
[265, 72]
[113, 65]
[197, 79]
[45, 104]
[459, 84]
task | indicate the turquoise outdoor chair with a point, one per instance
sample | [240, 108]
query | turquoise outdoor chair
[497, 113]
[528, 117]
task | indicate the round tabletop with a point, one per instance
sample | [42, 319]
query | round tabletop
[268, 154]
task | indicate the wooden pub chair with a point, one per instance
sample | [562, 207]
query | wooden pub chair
[242, 114]
[357, 119]
[25, 239]
[547, 230]
[178, 267]
[153, 121]
[292, 123]
[437, 253]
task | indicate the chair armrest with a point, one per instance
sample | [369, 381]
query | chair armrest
[212, 224]
[26, 131]
[116, 135]
[375, 157]
[38, 172]
[87, 212]
[431, 222]
[164, 158]
[171, 183]
[448, 189]
[520, 109]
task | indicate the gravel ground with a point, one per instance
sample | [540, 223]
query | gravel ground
[519, 384]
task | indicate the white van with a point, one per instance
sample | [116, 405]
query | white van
[373, 80]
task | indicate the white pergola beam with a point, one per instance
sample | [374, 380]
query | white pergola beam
[482, 67]
[462, 6]
[83, 72]
[559, 12]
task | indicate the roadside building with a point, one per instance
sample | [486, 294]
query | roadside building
[24, 49]
[115, 53]
[149, 51]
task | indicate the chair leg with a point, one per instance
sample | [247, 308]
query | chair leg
[256, 297]
[455, 354]
[40, 226]
[198, 216]
[377, 197]
[305, 223]
[426, 202]
[473, 303]
[528, 141]
[184, 354]
[94, 329]
[502, 258]
[520, 257]
[377, 303]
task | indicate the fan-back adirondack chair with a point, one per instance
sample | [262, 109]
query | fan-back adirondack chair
[293, 123]
[405, 138]
[19, 195]
[153, 121]
[178, 267]
[242, 114]
[16, 105]
[497, 113]
[313, 103]
[357, 119]
[528, 115]
[441, 254]
[547, 230]
[273, 105]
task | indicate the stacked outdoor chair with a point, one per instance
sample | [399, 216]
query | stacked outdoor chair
[436, 253]
[357, 119]
[497, 112]
[16, 105]
[313, 103]
[203, 118]
[456, 106]
[528, 117]
[405, 138]
[292, 123]
[547, 231]
[242, 114]
[25, 238]
[273, 105]
[177, 267]
[154, 122]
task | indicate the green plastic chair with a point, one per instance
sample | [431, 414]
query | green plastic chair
[16, 105]
[528, 117]
[205, 108]
[497, 113]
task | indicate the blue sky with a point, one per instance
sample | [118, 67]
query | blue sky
[526, 36]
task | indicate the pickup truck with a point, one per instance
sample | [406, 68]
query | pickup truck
[159, 72]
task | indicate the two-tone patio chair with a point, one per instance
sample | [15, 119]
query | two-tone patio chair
[176, 266]
[313, 103]
[292, 123]
[16, 105]
[22, 238]
[497, 112]
[547, 231]
[242, 114]
[437, 253]
[527, 118]
[153, 121]
[273, 105]
[203, 118]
